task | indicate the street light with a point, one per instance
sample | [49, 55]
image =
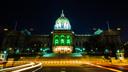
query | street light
[118, 29]
[5, 29]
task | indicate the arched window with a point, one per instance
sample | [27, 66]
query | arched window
[62, 39]
[56, 40]
[68, 40]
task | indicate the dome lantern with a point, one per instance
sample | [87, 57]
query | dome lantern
[62, 14]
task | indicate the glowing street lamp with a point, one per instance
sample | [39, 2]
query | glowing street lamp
[118, 29]
[5, 29]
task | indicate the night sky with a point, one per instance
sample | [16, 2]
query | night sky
[83, 15]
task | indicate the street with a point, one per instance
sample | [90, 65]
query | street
[85, 68]
[67, 66]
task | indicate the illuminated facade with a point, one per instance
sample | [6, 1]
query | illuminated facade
[62, 40]
[62, 36]
[62, 23]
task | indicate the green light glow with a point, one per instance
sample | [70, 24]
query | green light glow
[56, 36]
[68, 42]
[28, 49]
[62, 36]
[41, 49]
[56, 41]
[62, 39]
[5, 52]
[17, 51]
[98, 32]
[118, 51]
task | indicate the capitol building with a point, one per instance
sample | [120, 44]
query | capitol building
[62, 40]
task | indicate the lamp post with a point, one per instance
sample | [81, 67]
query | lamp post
[120, 54]
[3, 59]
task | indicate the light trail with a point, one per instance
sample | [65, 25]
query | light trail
[28, 68]
[17, 67]
[37, 69]
[104, 67]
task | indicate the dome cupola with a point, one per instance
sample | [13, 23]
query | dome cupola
[62, 23]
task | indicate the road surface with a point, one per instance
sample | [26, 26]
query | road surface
[84, 68]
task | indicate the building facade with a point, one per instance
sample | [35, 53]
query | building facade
[62, 40]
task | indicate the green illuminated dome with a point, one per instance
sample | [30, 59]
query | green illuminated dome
[62, 23]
